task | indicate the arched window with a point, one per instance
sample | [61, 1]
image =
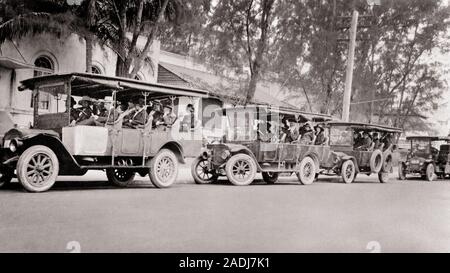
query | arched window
[96, 70]
[43, 65]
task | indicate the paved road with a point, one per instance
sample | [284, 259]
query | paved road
[408, 216]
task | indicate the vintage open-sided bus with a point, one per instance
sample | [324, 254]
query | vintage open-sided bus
[53, 146]
[253, 143]
[351, 157]
[428, 156]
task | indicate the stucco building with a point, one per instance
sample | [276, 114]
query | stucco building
[45, 54]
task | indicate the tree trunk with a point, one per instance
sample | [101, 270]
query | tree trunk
[89, 48]
[261, 48]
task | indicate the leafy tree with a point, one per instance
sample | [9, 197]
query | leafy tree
[237, 36]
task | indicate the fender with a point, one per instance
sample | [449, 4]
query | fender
[314, 156]
[68, 164]
[343, 157]
[175, 147]
[237, 148]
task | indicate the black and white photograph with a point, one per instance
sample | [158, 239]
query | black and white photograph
[224, 127]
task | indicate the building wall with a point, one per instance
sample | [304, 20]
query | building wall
[68, 55]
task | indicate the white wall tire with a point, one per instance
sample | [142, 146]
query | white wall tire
[120, 177]
[200, 172]
[348, 171]
[376, 161]
[37, 168]
[430, 172]
[163, 169]
[307, 171]
[241, 169]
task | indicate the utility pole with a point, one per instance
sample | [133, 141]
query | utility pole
[349, 70]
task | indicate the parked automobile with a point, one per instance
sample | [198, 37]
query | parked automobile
[58, 146]
[254, 143]
[360, 148]
[428, 156]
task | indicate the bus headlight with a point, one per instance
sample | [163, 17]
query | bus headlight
[13, 146]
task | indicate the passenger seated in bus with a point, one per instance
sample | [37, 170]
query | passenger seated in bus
[387, 140]
[139, 116]
[366, 142]
[111, 114]
[308, 137]
[167, 119]
[74, 112]
[129, 113]
[85, 112]
[377, 141]
[321, 139]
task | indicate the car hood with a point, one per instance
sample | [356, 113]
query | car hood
[24, 133]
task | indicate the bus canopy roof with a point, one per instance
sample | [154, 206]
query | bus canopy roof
[100, 86]
[366, 126]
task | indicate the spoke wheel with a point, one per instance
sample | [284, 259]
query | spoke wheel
[241, 169]
[201, 173]
[37, 168]
[120, 177]
[270, 177]
[348, 171]
[163, 169]
[430, 172]
[307, 171]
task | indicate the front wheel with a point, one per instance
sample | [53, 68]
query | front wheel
[348, 171]
[241, 170]
[201, 172]
[163, 169]
[6, 176]
[120, 177]
[430, 174]
[37, 168]
[307, 171]
[270, 177]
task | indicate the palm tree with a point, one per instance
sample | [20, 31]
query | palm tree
[32, 17]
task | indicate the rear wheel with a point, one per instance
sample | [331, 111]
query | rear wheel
[401, 171]
[6, 176]
[270, 177]
[201, 173]
[430, 174]
[348, 171]
[241, 169]
[383, 177]
[307, 171]
[163, 169]
[120, 177]
[37, 168]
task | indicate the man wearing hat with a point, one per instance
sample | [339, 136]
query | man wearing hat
[74, 112]
[168, 117]
[307, 137]
[85, 115]
[139, 116]
[320, 135]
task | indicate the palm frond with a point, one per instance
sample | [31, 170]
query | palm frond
[35, 23]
